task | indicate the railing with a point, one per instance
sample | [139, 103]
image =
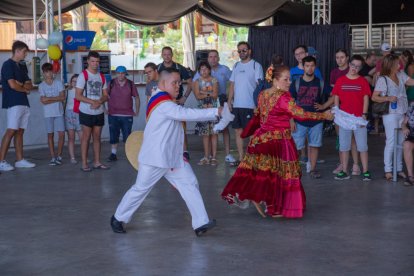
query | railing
[398, 35]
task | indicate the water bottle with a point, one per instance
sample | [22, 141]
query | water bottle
[394, 105]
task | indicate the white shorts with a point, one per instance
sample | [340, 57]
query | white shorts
[18, 117]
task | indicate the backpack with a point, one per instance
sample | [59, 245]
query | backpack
[85, 93]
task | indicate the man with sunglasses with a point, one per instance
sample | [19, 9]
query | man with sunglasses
[243, 81]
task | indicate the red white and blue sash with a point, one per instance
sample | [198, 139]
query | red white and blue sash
[155, 101]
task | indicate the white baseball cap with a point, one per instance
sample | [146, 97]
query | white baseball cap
[385, 47]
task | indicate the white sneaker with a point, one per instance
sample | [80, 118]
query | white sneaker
[24, 164]
[308, 167]
[229, 158]
[5, 167]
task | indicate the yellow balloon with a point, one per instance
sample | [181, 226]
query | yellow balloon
[54, 52]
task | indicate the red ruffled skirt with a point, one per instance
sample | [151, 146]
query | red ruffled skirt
[269, 173]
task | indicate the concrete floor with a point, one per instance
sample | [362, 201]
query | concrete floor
[55, 221]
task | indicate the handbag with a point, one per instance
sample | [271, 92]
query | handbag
[384, 107]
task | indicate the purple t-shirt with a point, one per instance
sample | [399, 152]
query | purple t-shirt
[336, 74]
[120, 100]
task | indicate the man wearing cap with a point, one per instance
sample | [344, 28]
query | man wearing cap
[122, 93]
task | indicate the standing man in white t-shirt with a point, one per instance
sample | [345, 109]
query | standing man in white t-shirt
[92, 96]
[244, 78]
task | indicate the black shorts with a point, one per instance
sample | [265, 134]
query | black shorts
[222, 99]
[241, 117]
[91, 120]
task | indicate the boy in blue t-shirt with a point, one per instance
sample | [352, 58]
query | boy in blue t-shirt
[16, 86]
[52, 94]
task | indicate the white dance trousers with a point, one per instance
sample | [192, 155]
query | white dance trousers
[183, 179]
[391, 122]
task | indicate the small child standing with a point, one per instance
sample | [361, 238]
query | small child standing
[52, 94]
[72, 119]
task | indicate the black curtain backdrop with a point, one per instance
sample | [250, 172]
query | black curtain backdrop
[326, 39]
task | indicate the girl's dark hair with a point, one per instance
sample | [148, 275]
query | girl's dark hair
[203, 63]
[410, 58]
[343, 51]
[278, 70]
[73, 77]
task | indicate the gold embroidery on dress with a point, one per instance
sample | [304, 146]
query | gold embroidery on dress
[299, 112]
[271, 135]
[267, 102]
[263, 162]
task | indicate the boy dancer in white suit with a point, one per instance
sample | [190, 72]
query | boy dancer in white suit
[161, 155]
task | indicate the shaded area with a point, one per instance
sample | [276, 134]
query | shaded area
[55, 220]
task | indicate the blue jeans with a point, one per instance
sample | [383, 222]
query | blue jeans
[118, 124]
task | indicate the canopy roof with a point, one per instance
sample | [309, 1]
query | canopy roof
[144, 12]
[229, 12]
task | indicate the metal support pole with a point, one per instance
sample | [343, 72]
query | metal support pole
[35, 24]
[369, 24]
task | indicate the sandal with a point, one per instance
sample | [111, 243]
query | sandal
[356, 170]
[401, 175]
[101, 167]
[315, 174]
[86, 169]
[203, 161]
[409, 181]
[213, 162]
[388, 176]
[259, 209]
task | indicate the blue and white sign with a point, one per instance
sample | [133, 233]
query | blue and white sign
[72, 40]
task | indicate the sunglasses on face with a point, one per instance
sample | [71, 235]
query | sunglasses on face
[243, 51]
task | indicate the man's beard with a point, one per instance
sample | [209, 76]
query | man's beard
[309, 75]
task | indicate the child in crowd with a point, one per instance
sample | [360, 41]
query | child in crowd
[206, 92]
[351, 94]
[52, 95]
[72, 119]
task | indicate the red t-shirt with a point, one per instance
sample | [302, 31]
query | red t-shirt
[351, 94]
[336, 74]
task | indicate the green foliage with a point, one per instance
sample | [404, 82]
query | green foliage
[99, 43]
[173, 38]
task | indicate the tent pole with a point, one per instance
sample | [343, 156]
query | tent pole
[369, 24]
[35, 24]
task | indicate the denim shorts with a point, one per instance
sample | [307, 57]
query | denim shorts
[72, 120]
[55, 124]
[118, 124]
[345, 137]
[314, 135]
